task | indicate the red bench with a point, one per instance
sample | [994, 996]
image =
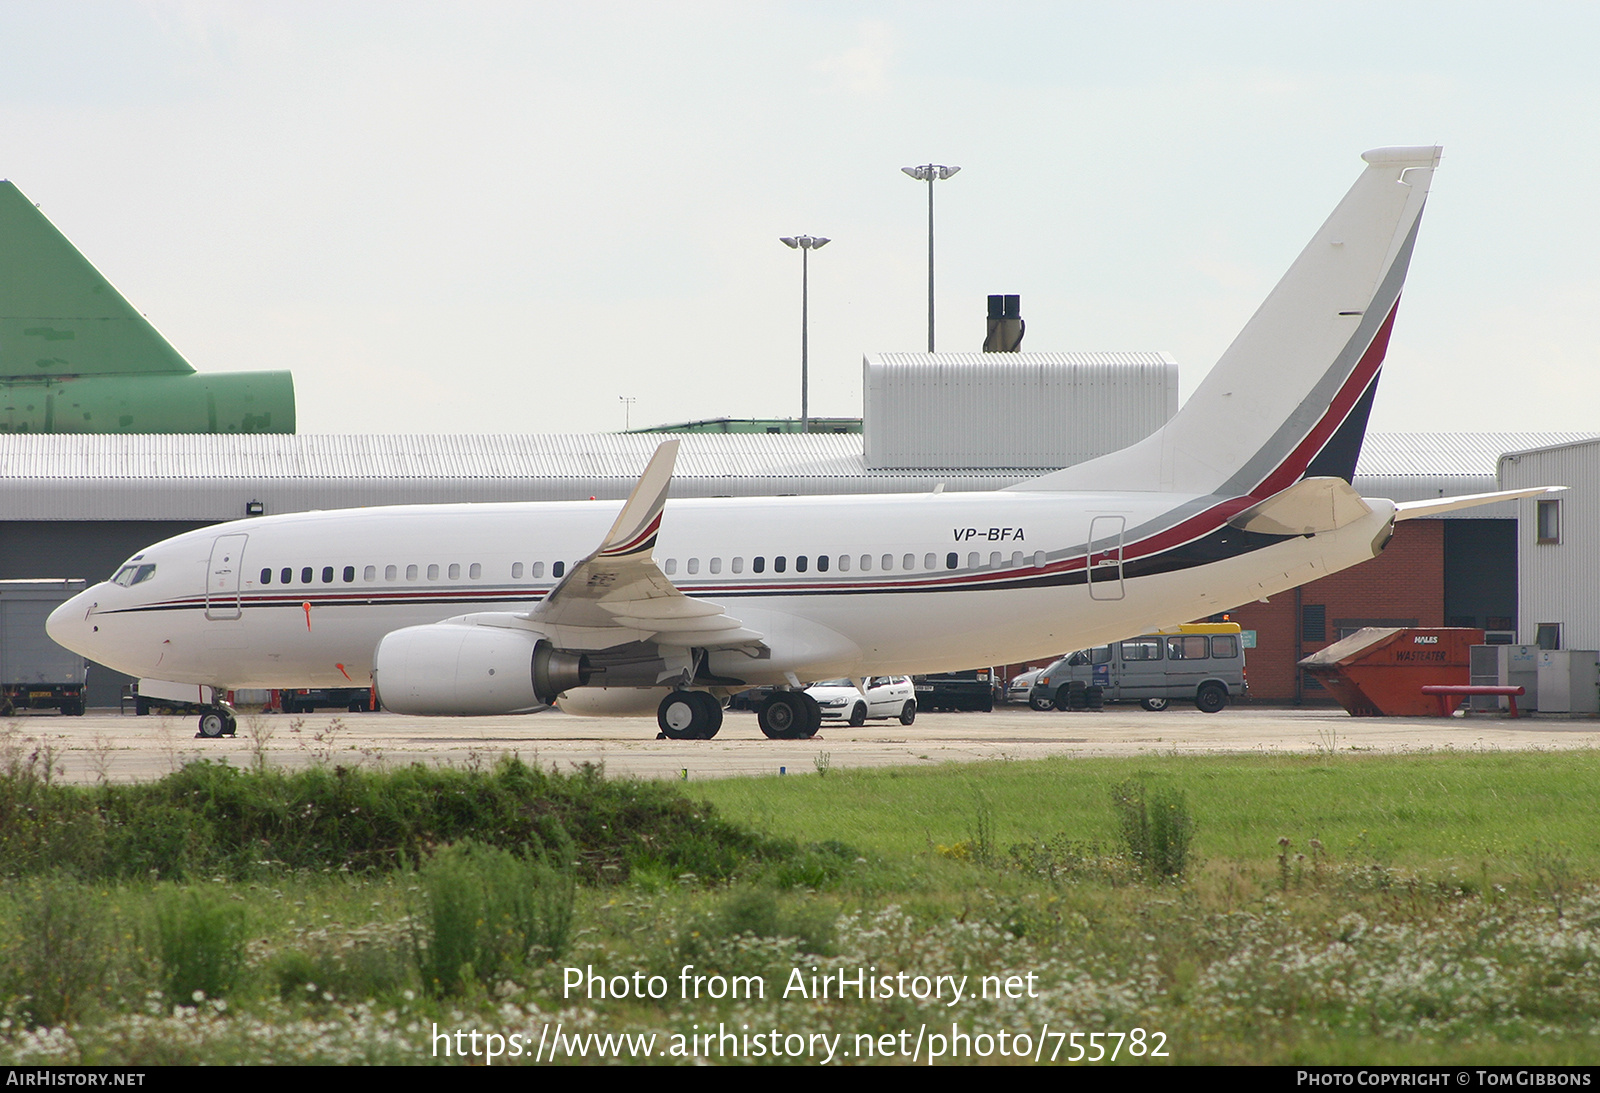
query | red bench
[1442, 692]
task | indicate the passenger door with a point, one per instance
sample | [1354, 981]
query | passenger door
[222, 577]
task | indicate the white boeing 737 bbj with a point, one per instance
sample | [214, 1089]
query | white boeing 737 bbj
[501, 608]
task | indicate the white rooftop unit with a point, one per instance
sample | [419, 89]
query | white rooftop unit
[1027, 411]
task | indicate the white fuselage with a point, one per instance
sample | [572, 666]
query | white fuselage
[865, 585]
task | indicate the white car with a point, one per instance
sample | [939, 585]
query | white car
[887, 696]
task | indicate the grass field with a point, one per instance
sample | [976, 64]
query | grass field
[1418, 908]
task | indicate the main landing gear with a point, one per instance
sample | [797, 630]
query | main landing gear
[689, 715]
[217, 721]
[789, 715]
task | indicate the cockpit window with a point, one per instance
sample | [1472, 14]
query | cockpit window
[130, 575]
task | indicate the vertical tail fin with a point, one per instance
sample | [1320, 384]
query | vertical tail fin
[58, 316]
[1292, 393]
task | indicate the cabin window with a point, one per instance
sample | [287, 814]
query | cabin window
[844, 563]
[758, 564]
[1016, 559]
[266, 576]
[670, 567]
[455, 571]
[822, 563]
[475, 571]
[327, 574]
[285, 575]
[558, 568]
[349, 574]
[800, 564]
[972, 560]
[694, 566]
[411, 572]
[951, 560]
[779, 564]
[370, 573]
[908, 562]
[390, 572]
[1038, 559]
[537, 569]
[516, 571]
[930, 561]
[866, 563]
[994, 559]
[716, 565]
[433, 571]
[738, 565]
[305, 575]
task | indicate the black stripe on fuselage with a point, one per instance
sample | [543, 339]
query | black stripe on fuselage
[1219, 545]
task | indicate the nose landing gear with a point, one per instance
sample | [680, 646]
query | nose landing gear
[217, 721]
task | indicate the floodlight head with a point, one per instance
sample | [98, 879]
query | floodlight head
[789, 241]
[819, 241]
[946, 172]
[914, 172]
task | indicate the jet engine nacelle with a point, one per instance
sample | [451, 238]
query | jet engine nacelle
[451, 669]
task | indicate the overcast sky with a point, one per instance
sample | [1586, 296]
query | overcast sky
[477, 217]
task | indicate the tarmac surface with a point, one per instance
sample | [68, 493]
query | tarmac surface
[105, 746]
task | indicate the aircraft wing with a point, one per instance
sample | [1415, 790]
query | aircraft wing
[618, 594]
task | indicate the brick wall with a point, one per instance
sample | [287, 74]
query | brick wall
[1402, 586]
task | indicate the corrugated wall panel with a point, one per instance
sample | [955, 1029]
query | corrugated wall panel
[1038, 411]
[1559, 582]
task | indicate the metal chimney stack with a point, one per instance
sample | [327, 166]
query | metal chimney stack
[1005, 325]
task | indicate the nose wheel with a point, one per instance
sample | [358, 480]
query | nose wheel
[215, 722]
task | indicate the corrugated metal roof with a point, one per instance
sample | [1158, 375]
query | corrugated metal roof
[420, 456]
[1418, 454]
[210, 477]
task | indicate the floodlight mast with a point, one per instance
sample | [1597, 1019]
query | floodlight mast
[929, 173]
[805, 244]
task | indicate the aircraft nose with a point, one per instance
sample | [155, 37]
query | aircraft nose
[69, 625]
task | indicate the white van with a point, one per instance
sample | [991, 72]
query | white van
[1202, 662]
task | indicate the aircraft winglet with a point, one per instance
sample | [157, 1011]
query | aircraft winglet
[634, 533]
[618, 594]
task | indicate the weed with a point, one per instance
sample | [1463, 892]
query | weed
[260, 730]
[982, 839]
[1156, 828]
[487, 912]
[823, 761]
[1553, 876]
[325, 741]
[100, 757]
[57, 967]
[200, 937]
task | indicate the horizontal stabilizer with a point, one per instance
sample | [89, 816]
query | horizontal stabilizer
[1308, 507]
[1410, 510]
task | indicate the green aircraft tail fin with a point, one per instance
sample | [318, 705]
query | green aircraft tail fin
[58, 315]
